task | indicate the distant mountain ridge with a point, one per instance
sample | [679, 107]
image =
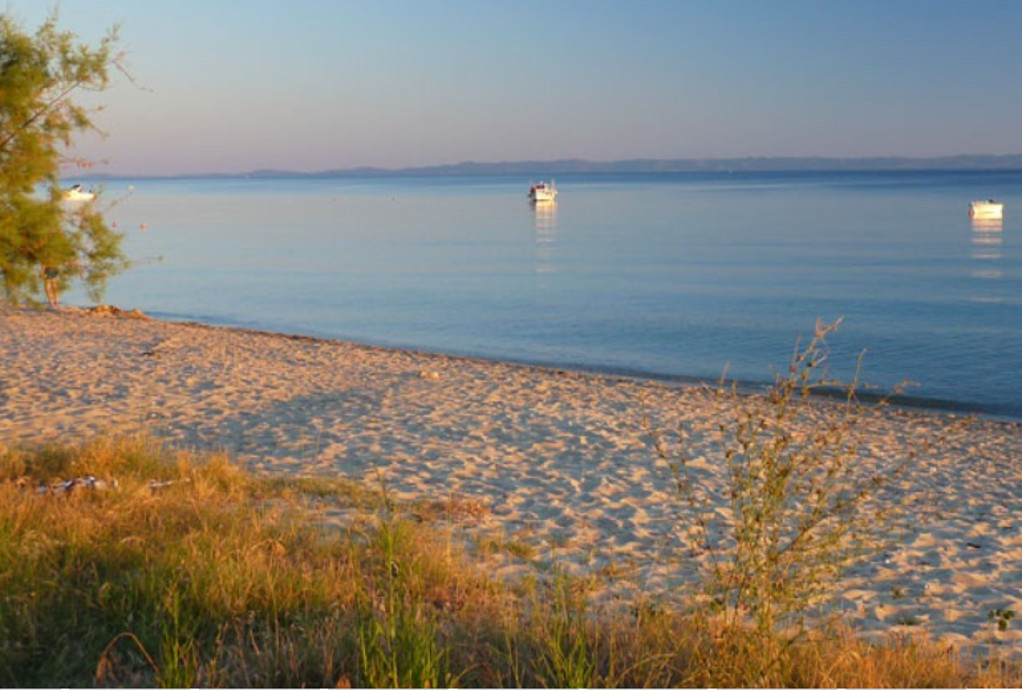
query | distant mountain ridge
[652, 165]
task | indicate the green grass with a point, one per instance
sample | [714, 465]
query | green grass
[222, 578]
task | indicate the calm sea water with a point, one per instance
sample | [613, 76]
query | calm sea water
[670, 276]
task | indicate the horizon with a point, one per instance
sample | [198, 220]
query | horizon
[747, 164]
[311, 86]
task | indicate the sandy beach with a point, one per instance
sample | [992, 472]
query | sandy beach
[556, 460]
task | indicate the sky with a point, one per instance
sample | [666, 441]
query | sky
[309, 85]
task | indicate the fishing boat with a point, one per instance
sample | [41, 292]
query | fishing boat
[78, 193]
[541, 191]
[986, 210]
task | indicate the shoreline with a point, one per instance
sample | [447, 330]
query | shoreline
[560, 462]
[916, 403]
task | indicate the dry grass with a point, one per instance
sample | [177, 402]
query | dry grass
[220, 578]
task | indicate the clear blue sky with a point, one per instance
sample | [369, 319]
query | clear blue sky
[234, 85]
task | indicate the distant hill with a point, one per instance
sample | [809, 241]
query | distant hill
[651, 165]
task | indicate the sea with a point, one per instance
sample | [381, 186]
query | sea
[671, 276]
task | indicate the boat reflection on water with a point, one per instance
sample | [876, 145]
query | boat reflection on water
[987, 238]
[987, 225]
[544, 222]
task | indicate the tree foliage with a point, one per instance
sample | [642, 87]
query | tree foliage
[41, 235]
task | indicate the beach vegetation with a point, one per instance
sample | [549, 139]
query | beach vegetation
[176, 570]
[1002, 617]
[794, 504]
[46, 242]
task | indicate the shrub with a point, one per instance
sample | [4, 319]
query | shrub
[795, 505]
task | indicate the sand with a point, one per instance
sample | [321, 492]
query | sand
[559, 465]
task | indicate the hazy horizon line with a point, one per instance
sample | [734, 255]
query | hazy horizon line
[964, 162]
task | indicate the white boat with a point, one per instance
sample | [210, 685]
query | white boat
[986, 210]
[541, 191]
[77, 193]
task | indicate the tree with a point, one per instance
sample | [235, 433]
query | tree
[46, 241]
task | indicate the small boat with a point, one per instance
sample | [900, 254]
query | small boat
[541, 191]
[78, 193]
[986, 210]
